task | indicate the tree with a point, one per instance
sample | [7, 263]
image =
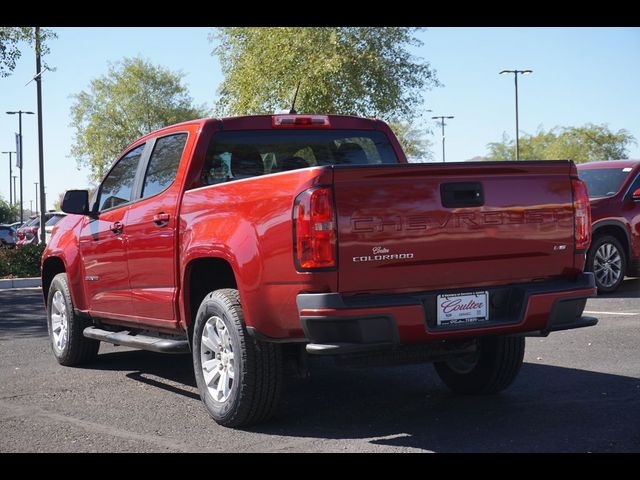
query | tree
[10, 39]
[365, 71]
[8, 213]
[134, 98]
[580, 144]
[415, 146]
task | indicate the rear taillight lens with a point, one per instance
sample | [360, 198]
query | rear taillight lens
[314, 233]
[582, 211]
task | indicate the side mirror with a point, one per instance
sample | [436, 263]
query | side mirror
[76, 201]
[635, 196]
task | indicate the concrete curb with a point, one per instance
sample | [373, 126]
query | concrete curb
[20, 283]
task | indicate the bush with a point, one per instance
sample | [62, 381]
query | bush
[21, 262]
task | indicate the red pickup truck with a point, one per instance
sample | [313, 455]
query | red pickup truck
[255, 241]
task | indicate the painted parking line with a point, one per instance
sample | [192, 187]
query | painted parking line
[614, 313]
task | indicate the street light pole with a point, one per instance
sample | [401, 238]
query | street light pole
[15, 193]
[19, 113]
[515, 75]
[38, 78]
[442, 117]
[36, 196]
[10, 174]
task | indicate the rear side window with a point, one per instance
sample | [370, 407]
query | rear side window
[244, 154]
[163, 164]
[116, 188]
[603, 182]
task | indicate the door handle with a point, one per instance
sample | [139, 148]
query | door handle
[161, 219]
[116, 227]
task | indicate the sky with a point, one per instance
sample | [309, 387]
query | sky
[580, 75]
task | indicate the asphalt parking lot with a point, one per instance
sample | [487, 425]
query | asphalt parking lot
[579, 391]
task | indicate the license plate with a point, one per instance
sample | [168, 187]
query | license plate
[462, 308]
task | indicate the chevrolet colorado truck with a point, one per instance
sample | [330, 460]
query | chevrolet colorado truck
[255, 241]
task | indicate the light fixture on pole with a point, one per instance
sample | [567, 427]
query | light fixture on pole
[10, 174]
[19, 154]
[515, 75]
[442, 117]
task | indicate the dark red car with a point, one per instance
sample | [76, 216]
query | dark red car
[614, 192]
[30, 232]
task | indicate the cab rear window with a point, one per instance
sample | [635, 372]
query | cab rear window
[245, 154]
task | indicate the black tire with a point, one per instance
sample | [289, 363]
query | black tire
[257, 366]
[491, 369]
[604, 241]
[76, 348]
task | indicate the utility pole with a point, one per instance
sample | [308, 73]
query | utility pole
[10, 174]
[442, 117]
[36, 196]
[43, 200]
[515, 76]
[15, 193]
[19, 154]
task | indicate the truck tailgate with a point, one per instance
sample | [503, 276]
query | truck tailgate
[421, 227]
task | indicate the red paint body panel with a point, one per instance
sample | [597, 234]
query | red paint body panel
[527, 211]
[248, 223]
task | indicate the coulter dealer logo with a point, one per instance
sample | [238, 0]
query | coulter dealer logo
[380, 254]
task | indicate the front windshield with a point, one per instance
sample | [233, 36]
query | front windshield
[603, 182]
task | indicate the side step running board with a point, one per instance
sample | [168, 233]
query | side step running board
[144, 342]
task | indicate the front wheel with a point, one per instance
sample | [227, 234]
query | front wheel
[490, 369]
[239, 378]
[70, 347]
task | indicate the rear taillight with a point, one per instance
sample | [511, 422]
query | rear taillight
[582, 211]
[314, 233]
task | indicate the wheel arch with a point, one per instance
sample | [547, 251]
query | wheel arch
[51, 267]
[201, 276]
[615, 229]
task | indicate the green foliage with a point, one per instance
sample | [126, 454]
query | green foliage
[415, 145]
[580, 144]
[10, 39]
[134, 98]
[21, 262]
[8, 213]
[365, 71]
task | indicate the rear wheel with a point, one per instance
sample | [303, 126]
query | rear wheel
[239, 378]
[492, 368]
[70, 347]
[607, 261]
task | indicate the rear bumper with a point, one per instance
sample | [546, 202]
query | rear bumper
[334, 324]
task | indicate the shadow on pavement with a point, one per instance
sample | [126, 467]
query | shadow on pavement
[171, 368]
[17, 311]
[547, 409]
[629, 288]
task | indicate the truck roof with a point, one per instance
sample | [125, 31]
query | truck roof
[265, 122]
[609, 164]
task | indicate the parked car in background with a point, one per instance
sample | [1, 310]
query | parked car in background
[614, 193]
[7, 236]
[30, 232]
[52, 222]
